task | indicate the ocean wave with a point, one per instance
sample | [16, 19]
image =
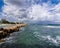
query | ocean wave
[52, 26]
[55, 40]
[49, 38]
[7, 40]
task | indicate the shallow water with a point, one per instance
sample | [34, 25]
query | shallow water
[34, 36]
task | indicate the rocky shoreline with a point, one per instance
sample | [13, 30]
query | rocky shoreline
[6, 31]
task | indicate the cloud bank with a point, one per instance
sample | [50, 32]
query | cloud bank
[31, 10]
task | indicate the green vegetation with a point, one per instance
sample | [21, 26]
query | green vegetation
[4, 21]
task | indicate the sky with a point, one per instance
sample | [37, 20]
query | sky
[1, 4]
[30, 10]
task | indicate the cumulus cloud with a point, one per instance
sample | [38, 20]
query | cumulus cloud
[38, 12]
[29, 10]
[13, 11]
[19, 3]
[45, 12]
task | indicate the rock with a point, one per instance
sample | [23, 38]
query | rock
[3, 34]
[7, 30]
[1, 29]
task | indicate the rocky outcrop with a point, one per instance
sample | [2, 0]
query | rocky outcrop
[7, 30]
[3, 34]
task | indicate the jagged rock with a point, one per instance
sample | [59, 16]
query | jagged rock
[7, 30]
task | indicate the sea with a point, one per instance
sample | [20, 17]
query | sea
[34, 36]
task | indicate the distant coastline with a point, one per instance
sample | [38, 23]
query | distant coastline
[4, 21]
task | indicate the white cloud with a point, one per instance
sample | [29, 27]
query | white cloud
[18, 3]
[56, 12]
[26, 10]
[45, 12]
[14, 12]
[38, 12]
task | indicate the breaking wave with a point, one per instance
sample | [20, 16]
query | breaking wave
[52, 26]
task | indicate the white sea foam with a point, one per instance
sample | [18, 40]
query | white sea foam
[49, 38]
[55, 41]
[52, 26]
[9, 40]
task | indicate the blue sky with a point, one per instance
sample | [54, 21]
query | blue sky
[52, 2]
[30, 10]
[1, 4]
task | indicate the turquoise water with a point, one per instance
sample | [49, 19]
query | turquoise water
[34, 36]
